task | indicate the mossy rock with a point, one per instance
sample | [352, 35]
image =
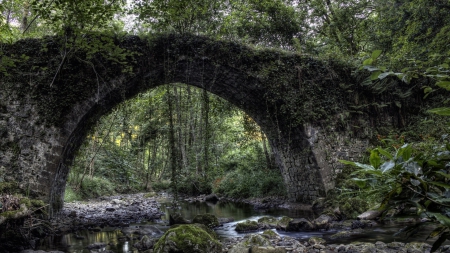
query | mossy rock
[206, 219]
[268, 221]
[256, 240]
[188, 238]
[283, 223]
[270, 234]
[316, 240]
[247, 226]
[176, 218]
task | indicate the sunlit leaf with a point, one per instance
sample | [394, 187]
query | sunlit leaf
[361, 183]
[385, 74]
[374, 159]
[385, 153]
[376, 54]
[444, 84]
[445, 111]
[374, 75]
[359, 165]
[368, 61]
[444, 185]
[443, 174]
[387, 166]
[444, 220]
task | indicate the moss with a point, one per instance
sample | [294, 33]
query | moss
[256, 240]
[247, 226]
[284, 221]
[270, 234]
[272, 222]
[187, 238]
[207, 219]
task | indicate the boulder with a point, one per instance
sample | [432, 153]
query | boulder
[256, 240]
[211, 198]
[323, 222]
[247, 226]
[301, 224]
[283, 223]
[176, 218]
[145, 243]
[195, 238]
[270, 234]
[206, 219]
[316, 241]
[268, 222]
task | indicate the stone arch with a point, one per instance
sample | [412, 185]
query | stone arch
[314, 112]
[232, 84]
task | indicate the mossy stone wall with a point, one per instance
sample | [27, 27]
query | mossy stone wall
[313, 111]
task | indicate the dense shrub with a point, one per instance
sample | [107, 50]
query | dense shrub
[244, 184]
[96, 187]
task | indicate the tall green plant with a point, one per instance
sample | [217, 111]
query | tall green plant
[418, 180]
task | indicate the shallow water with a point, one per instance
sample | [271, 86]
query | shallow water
[115, 240]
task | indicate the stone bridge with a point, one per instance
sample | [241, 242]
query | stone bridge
[314, 112]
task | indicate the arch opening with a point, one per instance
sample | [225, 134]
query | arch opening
[216, 147]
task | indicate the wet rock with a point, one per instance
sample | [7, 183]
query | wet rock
[270, 234]
[97, 245]
[145, 243]
[301, 224]
[211, 198]
[256, 249]
[323, 222]
[256, 240]
[188, 238]
[316, 240]
[247, 226]
[176, 218]
[283, 223]
[268, 222]
[239, 248]
[395, 245]
[225, 220]
[206, 219]
[361, 224]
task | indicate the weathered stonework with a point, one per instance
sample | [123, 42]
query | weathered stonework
[305, 106]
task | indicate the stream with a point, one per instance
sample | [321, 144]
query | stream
[115, 240]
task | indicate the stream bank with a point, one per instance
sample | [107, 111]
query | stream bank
[122, 224]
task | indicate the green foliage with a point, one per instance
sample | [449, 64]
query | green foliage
[188, 238]
[258, 183]
[419, 181]
[96, 187]
[162, 185]
[70, 195]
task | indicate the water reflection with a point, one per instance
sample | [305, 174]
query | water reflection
[122, 240]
